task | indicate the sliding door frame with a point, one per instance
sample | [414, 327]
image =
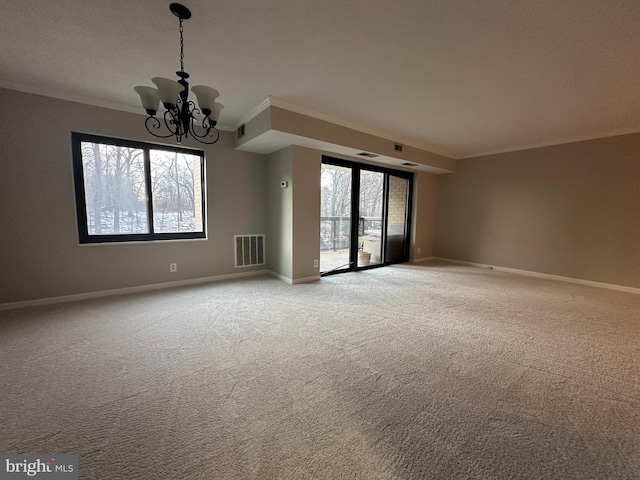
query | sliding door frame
[356, 168]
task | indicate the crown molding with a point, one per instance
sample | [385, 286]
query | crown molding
[273, 101]
[562, 141]
[70, 97]
[280, 103]
[266, 103]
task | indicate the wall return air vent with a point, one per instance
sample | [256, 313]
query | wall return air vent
[249, 250]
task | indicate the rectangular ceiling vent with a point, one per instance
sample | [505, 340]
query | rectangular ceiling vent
[409, 164]
[241, 131]
[249, 250]
[368, 155]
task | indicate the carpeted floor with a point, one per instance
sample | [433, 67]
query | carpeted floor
[430, 371]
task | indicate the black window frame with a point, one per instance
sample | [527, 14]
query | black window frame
[81, 208]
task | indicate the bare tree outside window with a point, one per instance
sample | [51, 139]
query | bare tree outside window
[120, 182]
[335, 191]
[175, 181]
[115, 193]
[371, 198]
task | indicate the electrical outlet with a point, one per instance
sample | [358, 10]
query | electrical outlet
[315, 263]
[173, 267]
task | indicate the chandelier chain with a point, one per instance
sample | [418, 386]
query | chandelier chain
[181, 48]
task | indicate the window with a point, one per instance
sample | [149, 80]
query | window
[133, 191]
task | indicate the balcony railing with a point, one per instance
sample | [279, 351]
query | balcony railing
[335, 232]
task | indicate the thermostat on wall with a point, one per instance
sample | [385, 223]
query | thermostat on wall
[284, 184]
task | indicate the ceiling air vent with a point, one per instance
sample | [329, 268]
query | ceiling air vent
[397, 147]
[241, 131]
[409, 164]
[368, 155]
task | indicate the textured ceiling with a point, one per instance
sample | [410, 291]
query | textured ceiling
[457, 77]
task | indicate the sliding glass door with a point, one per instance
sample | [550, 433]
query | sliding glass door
[370, 218]
[365, 216]
[335, 220]
[397, 233]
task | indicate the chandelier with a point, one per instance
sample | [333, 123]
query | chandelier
[181, 118]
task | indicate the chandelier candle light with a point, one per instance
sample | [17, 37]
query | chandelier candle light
[182, 118]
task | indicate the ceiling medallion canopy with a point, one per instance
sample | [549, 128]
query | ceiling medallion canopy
[182, 118]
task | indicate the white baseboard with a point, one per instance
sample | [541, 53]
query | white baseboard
[290, 281]
[420, 260]
[529, 273]
[281, 277]
[294, 281]
[314, 278]
[126, 290]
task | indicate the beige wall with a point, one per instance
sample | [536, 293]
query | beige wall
[39, 251]
[306, 212]
[423, 215]
[280, 214]
[569, 210]
[294, 213]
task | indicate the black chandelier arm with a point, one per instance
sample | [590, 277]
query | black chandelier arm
[206, 126]
[208, 132]
[155, 124]
[208, 122]
[171, 123]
